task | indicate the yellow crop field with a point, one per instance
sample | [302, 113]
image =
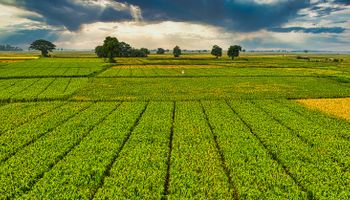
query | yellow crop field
[337, 107]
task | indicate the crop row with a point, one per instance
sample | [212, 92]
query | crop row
[20, 173]
[55, 63]
[16, 114]
[211, 88]
[318, 137]
[15, 139]
[182, 150]
[202, 70]
[256, 174]
[141, 166]
[42, 68]
[320, 176]
[45, 72]
[81, 172]
[39, 88]
[196, 170]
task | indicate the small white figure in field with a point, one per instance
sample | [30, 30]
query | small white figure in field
[183, 72]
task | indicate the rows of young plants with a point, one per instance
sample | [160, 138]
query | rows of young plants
[141, 166]
[209, 149]
[255, 173]
[15, 115]
[332, 124]
[196, 170]
[50, 68]
[20, 172]
[317, 136]
[211, 88]
[13, 140]
[310, 167]
[82, 171]
[203, 70]
[40, 88]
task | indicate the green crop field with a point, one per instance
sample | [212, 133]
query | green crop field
[195, 127]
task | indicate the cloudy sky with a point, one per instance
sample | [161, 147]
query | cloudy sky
[192, 24]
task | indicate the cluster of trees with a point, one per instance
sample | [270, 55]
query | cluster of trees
[232, 52]
[112, 48]
[9, 48]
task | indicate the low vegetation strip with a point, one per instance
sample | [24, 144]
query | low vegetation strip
[243, 153]
[84, 168]
[24, 135]
[20, 173]
[213, 71]
[339, 107]
[334, 125]
[313, 171]
[42, 88]
[196, 171]
[209, 88]
[14, 115]
[143, 158]
[166, 67]
[317, 136]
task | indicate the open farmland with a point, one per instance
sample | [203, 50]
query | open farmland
[187, 128]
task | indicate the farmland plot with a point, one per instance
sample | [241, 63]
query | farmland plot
[77, 129]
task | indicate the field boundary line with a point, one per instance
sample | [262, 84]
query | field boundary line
[170, 146]
[68, 83]
[310, 195]
[107, 171]
[47, 87]
[64, 154]
[43, 134]
[221, 155]
[25, 88]
[105, 67]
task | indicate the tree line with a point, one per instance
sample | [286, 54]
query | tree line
[9, 48]
[112, 48]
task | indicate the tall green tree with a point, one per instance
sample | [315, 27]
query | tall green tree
[145, 51]
[233, 51]
[160, 51]
[44, 46]
[100, 52]
[111, 48]
[177, 52]
[216, 51]
[124, 49]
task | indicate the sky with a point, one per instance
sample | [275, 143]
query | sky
[322, 25]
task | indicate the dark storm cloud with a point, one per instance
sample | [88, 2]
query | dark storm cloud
[345, 2]
[72, 14]
[309, 30]
[237, 15]
[24, 37]
[234, 15]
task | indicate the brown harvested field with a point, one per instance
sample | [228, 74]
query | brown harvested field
[337, 107]
[168, 67]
